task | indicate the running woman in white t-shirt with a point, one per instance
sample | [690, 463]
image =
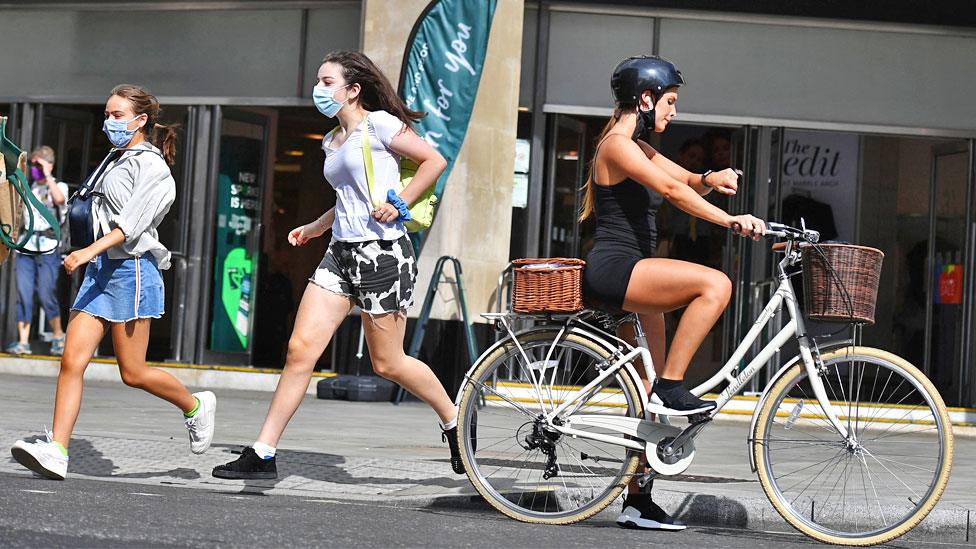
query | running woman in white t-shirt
[370, 260]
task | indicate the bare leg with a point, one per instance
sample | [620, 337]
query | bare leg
[661, 285]
[84, 334]
[319, 315]
[131, 340]
[654, 329]
[23, 331]
[55, 323]
[384, 335]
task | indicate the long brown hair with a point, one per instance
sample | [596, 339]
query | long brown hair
[589, 202]
[146, 103]
[377, 94]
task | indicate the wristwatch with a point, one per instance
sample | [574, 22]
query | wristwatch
[703, 182]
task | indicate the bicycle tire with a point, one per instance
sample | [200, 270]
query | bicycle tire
[834, 361]
[473, 396]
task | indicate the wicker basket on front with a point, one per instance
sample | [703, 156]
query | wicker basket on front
[547, 285]
[858, 268]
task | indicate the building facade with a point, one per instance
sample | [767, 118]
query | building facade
[862, 126]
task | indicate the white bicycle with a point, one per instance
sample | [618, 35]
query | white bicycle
[554, 422]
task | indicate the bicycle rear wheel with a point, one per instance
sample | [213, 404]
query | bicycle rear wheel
[510, 453]
[869, 488]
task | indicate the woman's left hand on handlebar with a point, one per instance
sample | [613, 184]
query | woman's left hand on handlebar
[724, 182]
[748, 225]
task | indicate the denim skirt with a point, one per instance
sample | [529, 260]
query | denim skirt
[120, 290]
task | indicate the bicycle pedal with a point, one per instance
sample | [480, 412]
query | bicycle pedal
[700, 417]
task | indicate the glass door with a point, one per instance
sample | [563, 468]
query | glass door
[240, 177]
[561, 230]
[947, 264]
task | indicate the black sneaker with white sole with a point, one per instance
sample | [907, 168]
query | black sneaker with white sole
[249, 466]
[641, 513]
[451, 437]
[681, 399]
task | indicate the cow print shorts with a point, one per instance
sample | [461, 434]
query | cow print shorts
[378, 274]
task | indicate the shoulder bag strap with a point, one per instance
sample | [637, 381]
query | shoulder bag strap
[88, 186]
[367, 158]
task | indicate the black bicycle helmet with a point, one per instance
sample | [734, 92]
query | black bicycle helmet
[643, 72]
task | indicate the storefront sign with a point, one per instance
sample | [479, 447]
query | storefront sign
[819, 179]
[949, 284]
[238, 211]
[442, 70]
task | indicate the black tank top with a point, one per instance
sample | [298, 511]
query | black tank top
[626, 215]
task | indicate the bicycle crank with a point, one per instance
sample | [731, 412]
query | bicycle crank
[668, 459]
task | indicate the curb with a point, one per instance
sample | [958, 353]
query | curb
[193, 375]
[944, 524]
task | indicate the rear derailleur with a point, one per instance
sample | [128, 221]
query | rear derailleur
[543, 439]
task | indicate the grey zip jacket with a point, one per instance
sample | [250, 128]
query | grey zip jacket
[137, 191]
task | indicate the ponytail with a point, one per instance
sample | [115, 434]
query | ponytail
[168, 143]
[589, 201]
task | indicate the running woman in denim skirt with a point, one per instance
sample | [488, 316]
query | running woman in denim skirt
[370, 261]
[122, 288]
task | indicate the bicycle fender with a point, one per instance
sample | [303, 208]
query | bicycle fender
[828, 346]
[587, 334]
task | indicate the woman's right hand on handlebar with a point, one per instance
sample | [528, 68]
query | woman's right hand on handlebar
[300, 235]
[747, 225]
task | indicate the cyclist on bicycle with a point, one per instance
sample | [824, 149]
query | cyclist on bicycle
[628, 181]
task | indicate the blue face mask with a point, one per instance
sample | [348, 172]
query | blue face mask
[118, 131]
[324, 99]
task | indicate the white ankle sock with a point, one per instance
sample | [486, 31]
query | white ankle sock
[448, 426]
[263, 450]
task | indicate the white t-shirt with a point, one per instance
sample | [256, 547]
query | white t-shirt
[37, 242]
[346, 172]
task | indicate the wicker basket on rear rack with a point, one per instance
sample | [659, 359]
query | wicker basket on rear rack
[850, 292]
[547, 285]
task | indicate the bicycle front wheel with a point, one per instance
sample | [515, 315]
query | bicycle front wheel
[875, 484]
[518, 463]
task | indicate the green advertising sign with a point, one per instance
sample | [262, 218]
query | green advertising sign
[238, 212]
[442, 70]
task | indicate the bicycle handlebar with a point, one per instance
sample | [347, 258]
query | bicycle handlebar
[785, 231]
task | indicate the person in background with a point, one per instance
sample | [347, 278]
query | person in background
[38, 273]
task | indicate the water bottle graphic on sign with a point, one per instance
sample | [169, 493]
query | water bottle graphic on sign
[244, 308]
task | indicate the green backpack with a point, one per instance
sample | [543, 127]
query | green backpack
[15, 163]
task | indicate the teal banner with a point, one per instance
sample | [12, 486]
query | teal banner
[441, 72]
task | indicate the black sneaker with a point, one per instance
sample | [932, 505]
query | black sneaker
[450, 436]
[248, 466]
[682, 400]
[642, 513]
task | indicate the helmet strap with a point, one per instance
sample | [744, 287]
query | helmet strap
[646, 120]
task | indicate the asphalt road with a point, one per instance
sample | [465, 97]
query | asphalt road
[91, 513]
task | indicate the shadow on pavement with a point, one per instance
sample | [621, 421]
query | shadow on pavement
[332, 468]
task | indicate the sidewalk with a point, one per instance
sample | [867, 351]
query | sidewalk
[376, 451]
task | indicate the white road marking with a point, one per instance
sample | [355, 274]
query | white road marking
[38, 491]
[145, 494]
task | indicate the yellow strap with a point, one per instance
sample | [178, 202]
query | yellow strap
[367, 159]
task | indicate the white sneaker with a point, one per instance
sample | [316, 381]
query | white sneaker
[201, 426]
[41, 457]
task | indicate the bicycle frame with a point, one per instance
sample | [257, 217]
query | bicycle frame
[625, 356]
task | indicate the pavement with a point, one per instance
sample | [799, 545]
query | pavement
[377, 452]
